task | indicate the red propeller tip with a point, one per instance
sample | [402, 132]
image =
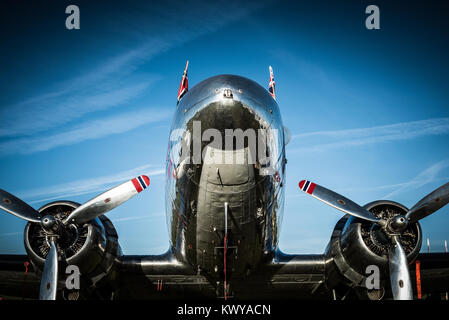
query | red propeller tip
[146, 179]
[141, 183]
[307, 186]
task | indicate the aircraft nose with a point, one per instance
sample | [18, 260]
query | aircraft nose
[230, 113]
[228, 102]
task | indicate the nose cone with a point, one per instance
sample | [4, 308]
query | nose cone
[239, 87]
[229, 102]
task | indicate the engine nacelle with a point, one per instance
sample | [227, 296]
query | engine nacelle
[356, 244]
[92, 247]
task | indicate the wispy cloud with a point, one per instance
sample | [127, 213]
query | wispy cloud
[113, 82]
[152, 216]
[90, 185]
[324, 140]
[10, 234]
[94, 129]
[58, 108]
[429, 175]
[402, 185]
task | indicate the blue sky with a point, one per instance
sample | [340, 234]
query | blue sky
[83, 110]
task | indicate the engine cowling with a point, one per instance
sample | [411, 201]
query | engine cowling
[92, 247]
[356, 244]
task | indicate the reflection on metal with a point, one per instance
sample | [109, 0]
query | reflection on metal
[401, 284]
[49, 281]
[17, 207]
[336, 200]
[226, 218]
[227, 93]
[429, 204]
[271, 84]
[108, 200]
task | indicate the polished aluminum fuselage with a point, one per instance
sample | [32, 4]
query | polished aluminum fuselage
[196, 193]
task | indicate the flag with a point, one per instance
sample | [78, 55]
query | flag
[271, 84]
[184, 86]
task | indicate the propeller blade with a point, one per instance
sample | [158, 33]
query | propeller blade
[17, 207]
[49, 281]
[401, 285]
[108, 200]
[429, 204]
[337, 201]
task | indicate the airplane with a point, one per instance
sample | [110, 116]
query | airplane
[224, 220]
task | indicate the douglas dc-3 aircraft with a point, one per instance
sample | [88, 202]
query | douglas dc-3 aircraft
[223, 223]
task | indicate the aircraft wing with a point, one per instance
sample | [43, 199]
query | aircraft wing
[286, 277]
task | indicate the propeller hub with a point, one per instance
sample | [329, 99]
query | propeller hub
[398, 223]
[50, 224]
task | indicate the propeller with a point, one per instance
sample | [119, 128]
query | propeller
[17, 207]
[54, 228]
[429, 204]
[108, 200]
[399, 274]
[337, 201]
[49, 281]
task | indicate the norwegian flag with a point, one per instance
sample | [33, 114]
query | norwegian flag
[271, 84]
[184, 86]
[141, 183]
[307, 186]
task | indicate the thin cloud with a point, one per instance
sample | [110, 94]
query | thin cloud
[94, 129]
[403, 185]
[429, 175]
[58, 108]
[90, 185]
[114, 82]
[10, 234]
[324, 140]
[155, 216]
